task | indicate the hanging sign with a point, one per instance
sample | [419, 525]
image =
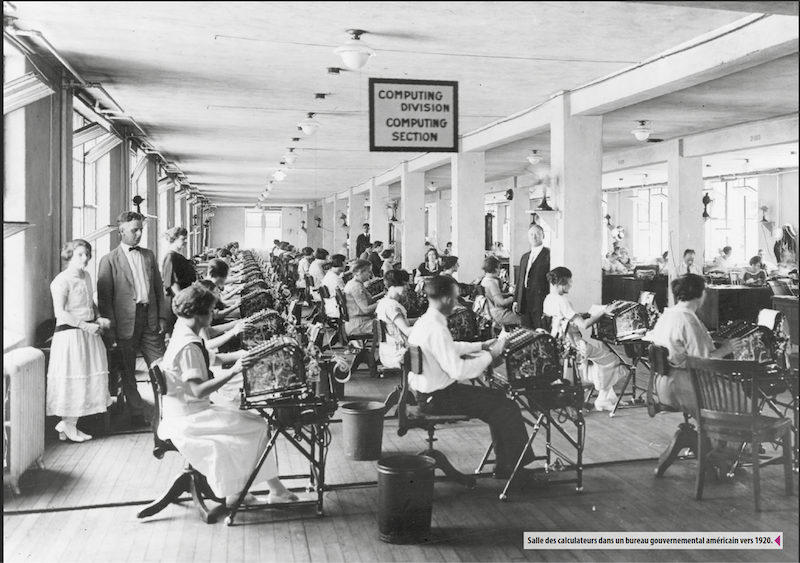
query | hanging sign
[413, 115]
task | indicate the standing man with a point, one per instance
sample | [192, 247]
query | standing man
[363, 241]
[532, 286]
[375, 258]
[131, 295]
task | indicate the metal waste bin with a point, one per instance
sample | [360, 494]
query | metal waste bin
[363, 430]
[405, 498]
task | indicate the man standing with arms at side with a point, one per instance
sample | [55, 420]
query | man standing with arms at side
[363, 241]
[532, 286]
[130, 293]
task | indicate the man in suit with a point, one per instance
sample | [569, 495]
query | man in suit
[362, 241]
[375, 259]
[532, 286]
[130, 294]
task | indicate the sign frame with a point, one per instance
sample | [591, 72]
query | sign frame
[403, 81]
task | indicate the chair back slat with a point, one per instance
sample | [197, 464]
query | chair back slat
[724, 386]
[341, 301]
[659, 363]
[158, 382]
[412, 362]
[324, 292]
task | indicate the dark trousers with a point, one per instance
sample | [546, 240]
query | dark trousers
[151, 344]
[491, 406]
[531, 319]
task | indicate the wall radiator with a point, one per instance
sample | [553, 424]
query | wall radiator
[23, 413]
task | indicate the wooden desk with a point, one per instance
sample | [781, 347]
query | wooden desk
[787, 304]
[626, 288]
[725, 303]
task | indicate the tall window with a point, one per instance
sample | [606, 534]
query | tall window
[734, 219]
[652, 224]
[261, 228]
[84, 184]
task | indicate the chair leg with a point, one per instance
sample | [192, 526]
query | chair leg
[197, 486]
[702, 460]
[786, 445]
[447, 468]
[179, 486]
[756, 473]
[685, 437]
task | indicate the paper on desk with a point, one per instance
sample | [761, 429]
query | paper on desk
[767, 318]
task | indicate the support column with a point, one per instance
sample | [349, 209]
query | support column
[412, 217]
[520, 222]
[378, 220]
[357, 216]
[576, 171]
[340, 233]
[153, 228]
[685, 207]
[468, 213]
[444, 214]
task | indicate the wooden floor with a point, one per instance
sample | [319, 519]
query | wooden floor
[83, 506]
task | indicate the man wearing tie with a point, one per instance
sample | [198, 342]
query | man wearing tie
[532, 286]
[130, 294]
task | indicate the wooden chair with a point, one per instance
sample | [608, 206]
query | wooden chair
[410, 417]
[190, 480]
[686, 436]
[344, 338]
[379, 336]
[727, 398]
[309, 279]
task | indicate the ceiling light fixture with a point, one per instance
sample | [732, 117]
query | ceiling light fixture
[290, 157]
[334, 70]
[534, 157]
[280, 175]
[309, 125]
[746, 165]
[432, 186]
[643, 132]
[355, 53]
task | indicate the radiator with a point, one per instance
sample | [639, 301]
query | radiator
[23, 412]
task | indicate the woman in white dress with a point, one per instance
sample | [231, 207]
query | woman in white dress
[395, 318]
[77, 377]
[222, 444]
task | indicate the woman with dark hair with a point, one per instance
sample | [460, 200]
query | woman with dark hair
[360, 303]
[218, 273]
[755, 273]
[605, 369]
[221, 443]
[77, 375]
[303, 265]
[388, 261]
[430, 267]
[449, 266]
[395, 319]
[683, 334]
[316, 269]
[499, 305]
[177, 272]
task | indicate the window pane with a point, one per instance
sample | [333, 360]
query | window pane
[272, 220]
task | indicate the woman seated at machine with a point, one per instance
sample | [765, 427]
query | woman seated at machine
[395, 319]
[498, 305]
[223, 444]
[360, 303]
[612, 265]
[430, 267]
[606, 369]
[683, 334]
[219, 334]
[218, 274]
[755, 273]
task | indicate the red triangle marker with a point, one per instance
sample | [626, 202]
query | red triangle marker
[778, 540]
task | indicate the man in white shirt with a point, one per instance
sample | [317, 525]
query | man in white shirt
[438, 390]
[688, 266]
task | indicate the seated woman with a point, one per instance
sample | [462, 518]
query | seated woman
[219, 334]
[361, 304]
[395, 318]
[388, 261]
[683, 334]
[316, 269]
[333, 281]
[218, 273]
[499, 305]
[606, 369]
[222, 444]
[430, 267]
[624, 258]
[755, 273]
[449, 266]
[723, 262]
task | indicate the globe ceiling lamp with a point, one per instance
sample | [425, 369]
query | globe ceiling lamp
[309, 125]
[534, 157]
[290, 157]
[643, 131]
[355, 53]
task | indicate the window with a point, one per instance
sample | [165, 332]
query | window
[734, 219]
[261, 227]
[651, 217]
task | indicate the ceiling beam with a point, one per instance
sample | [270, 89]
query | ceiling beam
[746, 136]
[761, 40]
[779, 8]
[636, 158]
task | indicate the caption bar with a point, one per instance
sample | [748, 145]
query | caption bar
[653, 540]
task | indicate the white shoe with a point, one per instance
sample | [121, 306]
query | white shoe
[68, 432]
[248, 500]
[86, 437]
[288, 496]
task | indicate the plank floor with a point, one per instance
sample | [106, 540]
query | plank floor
[83, 506]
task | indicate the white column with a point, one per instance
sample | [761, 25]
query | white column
[685, 207]
[444, 221]
[520, 222]
[339, 232]
[468, 213]
[412, 217]
[328, 224]
[302, 235]
[576, 172]
[378, 220]
[358, 216]
[314, 233]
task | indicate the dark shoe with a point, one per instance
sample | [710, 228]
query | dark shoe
[139, 421]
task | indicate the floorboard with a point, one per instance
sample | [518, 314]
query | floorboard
[85, 503]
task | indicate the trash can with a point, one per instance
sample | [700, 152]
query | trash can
[363, 430]
[405, 498]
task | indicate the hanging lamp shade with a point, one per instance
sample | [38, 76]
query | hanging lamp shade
[309, 125]
[290, 157]
[534, 157]
[643, 131]
[355, 53]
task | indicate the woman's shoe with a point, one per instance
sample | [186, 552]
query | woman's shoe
[65, 431]
[86, 437]
[248, 500]
[275, 498]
